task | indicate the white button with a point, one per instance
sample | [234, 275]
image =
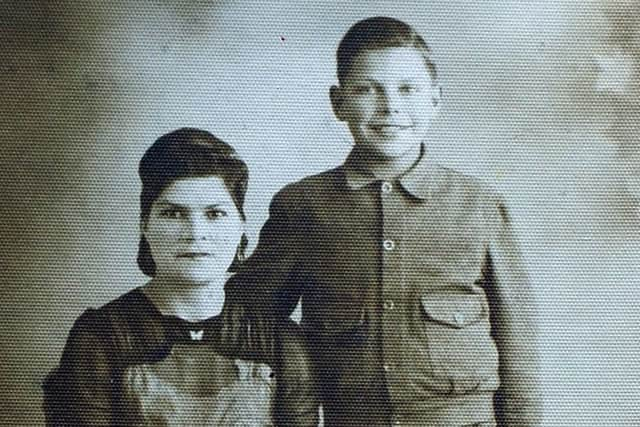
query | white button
[386, 368]
[388, 304]
[386, 187]
[388, 245]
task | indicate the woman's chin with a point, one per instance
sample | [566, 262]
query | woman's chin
[198, 277]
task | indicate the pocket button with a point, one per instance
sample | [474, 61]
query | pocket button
[389, 304]
[459, 318]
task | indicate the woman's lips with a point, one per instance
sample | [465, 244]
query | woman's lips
[193, 254]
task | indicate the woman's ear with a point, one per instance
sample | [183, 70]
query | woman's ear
[337, 103]
[436, 98]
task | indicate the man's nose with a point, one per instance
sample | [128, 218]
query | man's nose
[388, 103]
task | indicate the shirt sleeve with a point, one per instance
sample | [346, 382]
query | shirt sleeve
[79, 392]
[513, 320]
[266, 282]
[296, 401]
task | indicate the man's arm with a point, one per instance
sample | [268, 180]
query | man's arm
[266, 282]
[296, 397]
[513, 319]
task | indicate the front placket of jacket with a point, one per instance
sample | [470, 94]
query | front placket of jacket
[393, 289]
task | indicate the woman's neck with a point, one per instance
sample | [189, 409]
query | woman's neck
[192, 302]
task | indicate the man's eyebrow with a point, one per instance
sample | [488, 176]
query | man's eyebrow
[168, 203]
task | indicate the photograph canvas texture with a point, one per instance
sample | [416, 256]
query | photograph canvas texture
[533, 125]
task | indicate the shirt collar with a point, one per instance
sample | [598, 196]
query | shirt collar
[422, 180]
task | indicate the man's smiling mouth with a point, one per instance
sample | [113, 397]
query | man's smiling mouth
[389, 128]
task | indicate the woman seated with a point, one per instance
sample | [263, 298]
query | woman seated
[166, 354]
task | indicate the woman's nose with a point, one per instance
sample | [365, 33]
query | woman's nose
[195, 228]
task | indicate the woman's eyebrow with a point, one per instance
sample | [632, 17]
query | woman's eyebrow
[170, 203]
[218, 205]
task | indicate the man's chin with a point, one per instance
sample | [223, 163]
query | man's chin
[390, 151]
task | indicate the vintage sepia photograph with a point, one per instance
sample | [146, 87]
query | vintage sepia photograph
[332, 213]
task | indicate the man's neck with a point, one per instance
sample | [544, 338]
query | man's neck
[389, 168]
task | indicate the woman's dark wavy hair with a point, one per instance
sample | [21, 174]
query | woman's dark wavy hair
[186, 153]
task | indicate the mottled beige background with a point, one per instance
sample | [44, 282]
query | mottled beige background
[542, 99]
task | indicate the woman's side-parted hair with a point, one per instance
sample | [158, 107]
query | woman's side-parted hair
[380, 32]
[187, 153]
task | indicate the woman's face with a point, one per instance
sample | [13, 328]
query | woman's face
[193, 230]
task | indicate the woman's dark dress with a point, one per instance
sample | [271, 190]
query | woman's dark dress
[128, 364]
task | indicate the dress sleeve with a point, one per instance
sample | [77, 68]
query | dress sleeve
[296, 400]
[79, 391]
[514, 326]
[266, 281]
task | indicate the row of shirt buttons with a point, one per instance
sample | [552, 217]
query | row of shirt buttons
[388, 244]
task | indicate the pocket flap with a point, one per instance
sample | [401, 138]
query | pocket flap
[457, 310]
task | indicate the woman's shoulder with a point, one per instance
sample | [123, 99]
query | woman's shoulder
[128, 325]
[128, 303]
[118, 313]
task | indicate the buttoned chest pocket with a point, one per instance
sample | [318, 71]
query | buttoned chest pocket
[461, 350]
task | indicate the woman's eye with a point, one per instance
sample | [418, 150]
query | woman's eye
[362, 89]
[172, 213]
[215, 214]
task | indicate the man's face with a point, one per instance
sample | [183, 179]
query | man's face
[388, 100]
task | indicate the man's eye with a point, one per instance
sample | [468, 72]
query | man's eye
[408, 89]
[215, 214]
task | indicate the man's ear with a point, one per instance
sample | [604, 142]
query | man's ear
[142, 226]
[337, 102]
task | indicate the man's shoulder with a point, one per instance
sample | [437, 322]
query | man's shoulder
[460, 182]
[319, 181]
[313, 187]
